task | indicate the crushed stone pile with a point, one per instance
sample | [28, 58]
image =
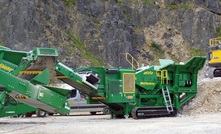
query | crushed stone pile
[207, 100]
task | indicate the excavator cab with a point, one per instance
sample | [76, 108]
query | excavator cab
[214, 58]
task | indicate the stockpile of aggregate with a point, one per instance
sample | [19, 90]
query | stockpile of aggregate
[207, 100]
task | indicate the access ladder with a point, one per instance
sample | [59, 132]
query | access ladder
[167, 99]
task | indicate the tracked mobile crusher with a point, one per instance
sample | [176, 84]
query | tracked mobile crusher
[145, 92]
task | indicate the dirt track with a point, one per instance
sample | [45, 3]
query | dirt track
[203, 124]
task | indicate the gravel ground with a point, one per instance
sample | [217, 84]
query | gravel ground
[85, 124]
[201, 115]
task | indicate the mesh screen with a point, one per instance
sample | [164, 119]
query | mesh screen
[128, 83]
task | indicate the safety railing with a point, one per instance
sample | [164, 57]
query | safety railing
[215, 41]
[132, 61]
[163, 75]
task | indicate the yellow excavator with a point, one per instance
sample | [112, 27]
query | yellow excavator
[214, 57]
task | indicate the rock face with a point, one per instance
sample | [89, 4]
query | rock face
[24, 24]
[108, 29]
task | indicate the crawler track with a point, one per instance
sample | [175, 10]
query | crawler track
[149, 112]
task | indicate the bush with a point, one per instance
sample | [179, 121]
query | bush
[218, 32]
[120, 1]
[155, 46]
[185, 5]
[197, 52]
[69, 2]
[148, 1]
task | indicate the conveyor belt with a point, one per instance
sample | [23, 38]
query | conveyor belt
[75, 80]
[37, 67]
[36, 96]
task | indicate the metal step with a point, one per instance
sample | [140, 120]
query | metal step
[167, 99]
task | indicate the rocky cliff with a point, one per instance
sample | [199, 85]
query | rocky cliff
[100, 32]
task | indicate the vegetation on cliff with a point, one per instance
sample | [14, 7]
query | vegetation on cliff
[101, 32]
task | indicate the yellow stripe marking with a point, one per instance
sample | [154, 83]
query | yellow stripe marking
[30, 72]
[61, 77]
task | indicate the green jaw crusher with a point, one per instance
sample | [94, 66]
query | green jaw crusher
[22, 76]
[139, 93]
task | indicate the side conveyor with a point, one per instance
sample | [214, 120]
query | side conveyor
[35, 96]
[78, 81]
